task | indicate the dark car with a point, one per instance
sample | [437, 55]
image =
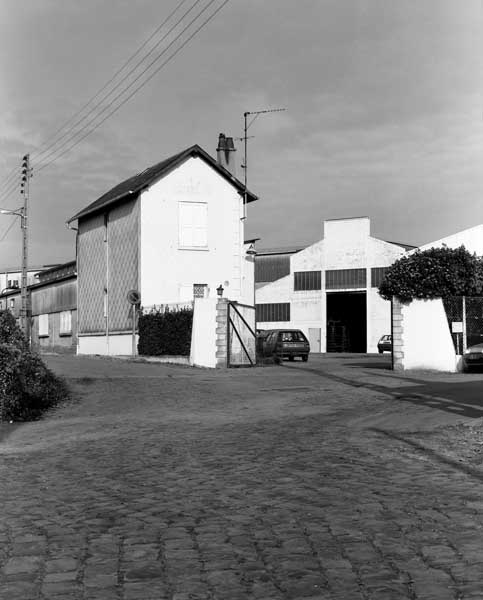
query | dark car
[473, 357]
[285, 343]
[384, 344]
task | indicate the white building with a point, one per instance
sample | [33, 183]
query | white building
[173, 232]
[11, 277]
[329, 290]
[471, 239]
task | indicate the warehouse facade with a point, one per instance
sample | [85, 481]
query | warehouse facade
[329, 289]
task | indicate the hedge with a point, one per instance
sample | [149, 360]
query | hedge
[165, 332]
[27, 386]
[434, 273]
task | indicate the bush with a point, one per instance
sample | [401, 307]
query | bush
[166, 332]
[27, 386]
[10, 332]
[434, 273]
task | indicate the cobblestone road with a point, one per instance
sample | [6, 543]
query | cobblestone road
[275, 483]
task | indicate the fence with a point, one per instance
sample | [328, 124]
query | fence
[241, 338]
[465, 320]
[161, 308]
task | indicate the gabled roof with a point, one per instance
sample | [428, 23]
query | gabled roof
[142, 180]
[283, 250]
[405, 246]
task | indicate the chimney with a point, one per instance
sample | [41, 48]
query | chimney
[225, 153]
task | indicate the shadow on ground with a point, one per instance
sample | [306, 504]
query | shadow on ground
[464, 398]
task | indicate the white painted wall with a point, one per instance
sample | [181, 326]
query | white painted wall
[426, 337]
[471, 239]
[203, 334]
[168, 272]
[346, 242]
[6, 276]
[277, 291]
[113, 345]
[378, 319]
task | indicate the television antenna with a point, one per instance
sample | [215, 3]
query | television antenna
[255, 114]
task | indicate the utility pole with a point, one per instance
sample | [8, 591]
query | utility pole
[257, 113]
[24, 189]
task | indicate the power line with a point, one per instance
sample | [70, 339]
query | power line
[124, 78]
[7, 231]
[125, 64]
[7, 194]
[13, 173]
[115, 109]
[54, 137]
[95, 117]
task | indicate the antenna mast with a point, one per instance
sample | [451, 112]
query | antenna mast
[256, 114]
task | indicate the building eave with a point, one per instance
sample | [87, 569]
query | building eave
[134, 185]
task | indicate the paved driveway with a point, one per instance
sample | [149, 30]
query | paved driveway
[300, 481]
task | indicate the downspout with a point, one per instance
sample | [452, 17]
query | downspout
[76, 229]
[106, 289]
[241, 233]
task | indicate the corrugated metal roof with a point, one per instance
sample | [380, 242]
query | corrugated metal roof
[58, 272]
[405, 246]
[285, 250]
[138, 182]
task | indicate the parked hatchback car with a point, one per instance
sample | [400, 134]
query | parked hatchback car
[285, 343]
[385, 344]
[473, 357]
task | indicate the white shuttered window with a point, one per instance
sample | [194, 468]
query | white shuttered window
[65, 322]
[193, 225]
[43, 325]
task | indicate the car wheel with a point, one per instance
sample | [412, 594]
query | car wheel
[380, 350]
[305, 358]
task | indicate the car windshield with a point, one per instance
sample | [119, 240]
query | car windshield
[291, 336]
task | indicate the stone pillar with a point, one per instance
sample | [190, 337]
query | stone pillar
[397, 331]
[221, 333]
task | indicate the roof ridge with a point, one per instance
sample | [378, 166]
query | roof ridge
[136, 183]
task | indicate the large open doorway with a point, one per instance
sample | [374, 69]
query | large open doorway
[346, 322]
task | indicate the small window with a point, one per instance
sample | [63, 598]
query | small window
[345, 278]
[377, 275]
[65, 322]
[273, 312]
[43, 325]
[307, 280]
[12, 303]
[200, 290]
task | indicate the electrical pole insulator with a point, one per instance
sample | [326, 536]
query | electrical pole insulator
[24, 189]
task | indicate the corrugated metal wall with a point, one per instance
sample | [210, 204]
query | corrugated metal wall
[271, 267]
[91, 275]
[377, 275]
[337, 279]
[120, 255]
[55, 297]
[123, 263]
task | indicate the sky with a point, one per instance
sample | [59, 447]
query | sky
[384, 111]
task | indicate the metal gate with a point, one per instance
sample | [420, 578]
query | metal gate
[241, 337]
[465, 319]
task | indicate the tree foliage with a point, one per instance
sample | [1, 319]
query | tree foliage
[27, 386]
[434, 273]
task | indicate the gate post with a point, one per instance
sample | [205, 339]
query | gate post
[221, 333]
[397, 331]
